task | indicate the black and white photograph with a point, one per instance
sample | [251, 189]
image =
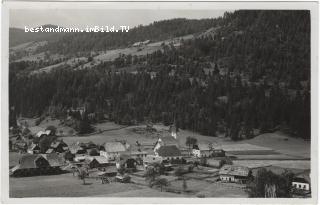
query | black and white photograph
[160, 103]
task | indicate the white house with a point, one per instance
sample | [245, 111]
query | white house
[302, 181]
[232, 173]
[201, 150]
[113, 150]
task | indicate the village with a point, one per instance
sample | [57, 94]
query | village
[169, 165]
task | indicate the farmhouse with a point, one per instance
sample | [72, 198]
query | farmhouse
[110, 171]
[168, 152]
[97, 161]
[41, 134]
[165, 141]
[201, 150]
[112, 150]
[34, 149]
[55, 161]
[151, 159]
[58, 146]
[301, 182]
[75, 148]
[30, 164]
[232, 173]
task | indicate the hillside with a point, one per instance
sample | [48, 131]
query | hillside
[242, 72]
[19, 36]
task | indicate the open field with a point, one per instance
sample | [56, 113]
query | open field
[64, 185]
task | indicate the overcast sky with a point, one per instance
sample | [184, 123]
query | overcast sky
[82, 18]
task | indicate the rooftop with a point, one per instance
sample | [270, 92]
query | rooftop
[169, 151]
[234, 170]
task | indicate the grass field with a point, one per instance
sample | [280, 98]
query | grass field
[64, 185]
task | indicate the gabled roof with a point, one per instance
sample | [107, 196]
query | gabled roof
[28, 161]
[167, 140]
[234, 170]
[202, 147]
[34, 147]
[302, 177]
[101, 159]
[54, 159]
[40, 133]
[49, 151]
[114, 147]
[55, 144]
[169, 151]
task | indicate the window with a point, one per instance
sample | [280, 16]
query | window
[304, 186]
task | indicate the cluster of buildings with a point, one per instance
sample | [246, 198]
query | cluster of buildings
[111, 156]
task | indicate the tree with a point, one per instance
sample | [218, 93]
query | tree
[45, 144]
[150, 175]
[82, 175]
[179, 171]
[52, 129]
[184, 184]
[190, 141]
[94, 152]
[269, 184]
[161, 182]
[224, 161]
[84, 126]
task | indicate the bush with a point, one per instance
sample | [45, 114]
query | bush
[126, 179]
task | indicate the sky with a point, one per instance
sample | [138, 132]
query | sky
[82, 18]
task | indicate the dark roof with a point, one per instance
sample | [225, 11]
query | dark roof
[169, 151]
[169, 140]
[54, 159]
[303, 177]
[57, 143]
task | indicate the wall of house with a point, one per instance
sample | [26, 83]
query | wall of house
[109, 156]
[300, 185]
[196, 153]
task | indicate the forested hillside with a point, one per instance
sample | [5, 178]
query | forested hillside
[18, 36]
[161, 30]
[251, 71]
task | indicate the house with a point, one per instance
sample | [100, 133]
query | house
[165, 141]
[218, 153]
[75, 148]
[55, 161]
[30, 164]
[201, 150]
[59, 146]
[97, 162]
[138, 154]
[151, 159]
[41, 134]
[168, 152]
[301, 182]
[80, 157]
[126, 161]
[113, 150]
[184, 151]
[21, 146]
[34, 149]
[109, 171]
[233, 173]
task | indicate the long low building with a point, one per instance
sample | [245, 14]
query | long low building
[232, 173]
[37, 164]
